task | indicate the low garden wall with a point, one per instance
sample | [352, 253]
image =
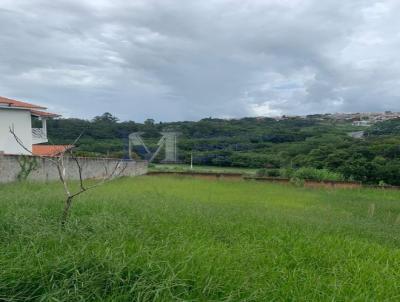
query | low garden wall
[239, 176]
[308, 183]
[14, 167]
[202, 175]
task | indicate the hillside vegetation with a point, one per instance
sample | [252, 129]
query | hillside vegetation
[253, 143]
[179, 239]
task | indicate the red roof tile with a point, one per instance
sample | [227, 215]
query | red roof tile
[19, 104]
[43, 113]
[49, 150]
[23, 105]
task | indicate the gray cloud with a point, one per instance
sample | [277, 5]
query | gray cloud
[175, 60]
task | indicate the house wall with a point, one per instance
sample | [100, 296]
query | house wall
[47, 171]
[21, 119]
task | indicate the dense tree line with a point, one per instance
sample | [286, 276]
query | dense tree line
[253, 142]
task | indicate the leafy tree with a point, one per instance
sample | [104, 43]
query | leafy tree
[252, 142]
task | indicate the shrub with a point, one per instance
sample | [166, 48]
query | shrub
[317, 174]
[298, 182]
[286, 172]
[261, 172]
[273, 173]
[382, 183]
[268, 172]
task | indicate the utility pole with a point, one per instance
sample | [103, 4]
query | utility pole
[191, 160]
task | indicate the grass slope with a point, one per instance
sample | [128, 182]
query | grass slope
[171, 239]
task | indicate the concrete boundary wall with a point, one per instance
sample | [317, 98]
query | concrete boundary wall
[45, 170]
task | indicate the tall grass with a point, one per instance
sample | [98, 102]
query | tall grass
[180, 239]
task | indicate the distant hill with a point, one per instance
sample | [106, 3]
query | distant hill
[253, 142]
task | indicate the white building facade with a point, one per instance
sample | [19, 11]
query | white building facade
[18, 115]
[20, 121]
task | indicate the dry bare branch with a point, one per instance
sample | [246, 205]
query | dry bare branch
[59, 162]
[19, 141]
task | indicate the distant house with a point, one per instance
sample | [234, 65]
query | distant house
[19, 116]
[362, 123]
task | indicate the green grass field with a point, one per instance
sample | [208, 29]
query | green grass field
[182, 239]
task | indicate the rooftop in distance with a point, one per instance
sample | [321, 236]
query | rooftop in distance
[34, 109]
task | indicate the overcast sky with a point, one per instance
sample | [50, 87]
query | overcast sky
[185, 60]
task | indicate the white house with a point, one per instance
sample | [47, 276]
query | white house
[363, 123]
[18, 116]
